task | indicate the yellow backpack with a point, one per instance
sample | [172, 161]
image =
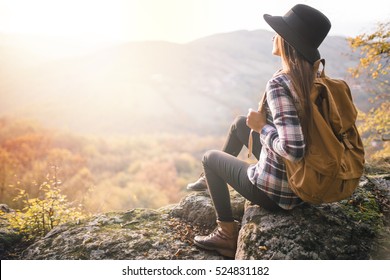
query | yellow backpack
[334, 162]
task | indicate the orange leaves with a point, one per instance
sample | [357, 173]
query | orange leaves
[375, 51]
[375, 62]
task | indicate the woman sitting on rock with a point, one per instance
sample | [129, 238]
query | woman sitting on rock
[279, 130]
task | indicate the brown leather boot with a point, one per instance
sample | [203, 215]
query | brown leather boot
[199, 185]
[223, 239]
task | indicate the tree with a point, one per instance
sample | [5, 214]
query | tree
[375, 64]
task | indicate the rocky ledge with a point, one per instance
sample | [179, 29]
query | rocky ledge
[356, 228]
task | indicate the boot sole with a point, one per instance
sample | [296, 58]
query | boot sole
[223, 252]
[197, 190]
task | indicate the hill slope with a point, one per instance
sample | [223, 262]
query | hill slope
[143, 87]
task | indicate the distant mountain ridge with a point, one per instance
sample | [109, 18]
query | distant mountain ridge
[142, 87]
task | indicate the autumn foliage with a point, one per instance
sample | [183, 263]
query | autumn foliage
[374, 65]
[98, 174]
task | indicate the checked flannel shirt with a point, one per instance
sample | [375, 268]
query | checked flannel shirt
[282, 137]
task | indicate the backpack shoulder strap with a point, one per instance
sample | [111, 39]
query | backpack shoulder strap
[317, 67]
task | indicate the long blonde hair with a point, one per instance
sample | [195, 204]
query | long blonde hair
[302, 75]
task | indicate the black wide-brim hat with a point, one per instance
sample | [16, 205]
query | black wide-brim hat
[303, 27]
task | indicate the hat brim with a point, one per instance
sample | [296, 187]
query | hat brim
[290, 36]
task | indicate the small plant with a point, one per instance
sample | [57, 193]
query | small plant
[41, 214]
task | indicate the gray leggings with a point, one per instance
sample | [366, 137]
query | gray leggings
[223, 167]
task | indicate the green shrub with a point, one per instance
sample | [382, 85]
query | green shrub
[40, 215]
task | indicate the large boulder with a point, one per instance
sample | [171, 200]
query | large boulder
[345, 230]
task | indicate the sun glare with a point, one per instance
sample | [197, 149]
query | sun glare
[169, 20]
[63, 18]
[175, 20]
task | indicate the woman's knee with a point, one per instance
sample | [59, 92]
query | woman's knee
[239, 121]
[209, 156]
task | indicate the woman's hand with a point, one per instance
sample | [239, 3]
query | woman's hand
[256, 120]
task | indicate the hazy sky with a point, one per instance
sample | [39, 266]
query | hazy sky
[173, 20]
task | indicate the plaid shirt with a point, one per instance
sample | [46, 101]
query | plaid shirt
[282, 137]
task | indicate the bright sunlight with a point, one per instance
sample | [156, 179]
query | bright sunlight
[63, 18]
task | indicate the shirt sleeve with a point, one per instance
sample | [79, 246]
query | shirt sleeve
[285, 136]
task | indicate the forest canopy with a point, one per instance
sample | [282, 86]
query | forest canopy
[99, 174]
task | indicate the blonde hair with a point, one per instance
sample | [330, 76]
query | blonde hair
[302, 74]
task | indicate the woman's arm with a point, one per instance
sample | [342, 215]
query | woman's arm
[286, 138]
